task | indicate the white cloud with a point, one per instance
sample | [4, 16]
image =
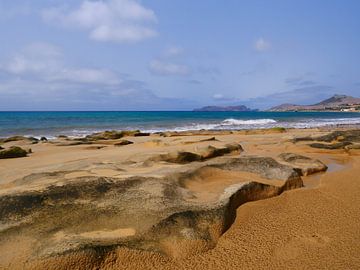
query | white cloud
[36, 57]
[110, 20]
[218, 96]
[160, 67]
[46, 62]
[174, 51]
[262, 45]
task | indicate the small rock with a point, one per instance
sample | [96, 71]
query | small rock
[123, 142]
[13, 152]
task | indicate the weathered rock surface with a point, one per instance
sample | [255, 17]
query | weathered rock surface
[19, 138]
[304, 165]
[335, 140]
[330, 146]
[123, 142]
[99, 214]
[114, 135]
[13, 152]
[209, 152]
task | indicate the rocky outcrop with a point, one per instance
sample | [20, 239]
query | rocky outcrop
[330, 146]
[209, 152]
[123, 142]
[157, 214]
[339, 139]
[19, 138]
[267, 167]
[114, 135]
[304, 165]
[13, 152]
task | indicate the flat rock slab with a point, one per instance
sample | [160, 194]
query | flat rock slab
[339, 139]
[304, 165]
[147, 213]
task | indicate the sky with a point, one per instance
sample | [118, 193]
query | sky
[176, 55]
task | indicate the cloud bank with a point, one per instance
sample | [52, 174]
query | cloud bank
[111, 20]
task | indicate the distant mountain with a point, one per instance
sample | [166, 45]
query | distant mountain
[239, 108]
[335, 103]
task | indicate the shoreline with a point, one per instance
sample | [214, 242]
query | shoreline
[193, 131]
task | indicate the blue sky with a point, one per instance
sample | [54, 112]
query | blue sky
[175, 55]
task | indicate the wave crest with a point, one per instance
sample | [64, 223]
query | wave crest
[236, 122]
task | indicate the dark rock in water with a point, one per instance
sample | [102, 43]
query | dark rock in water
[43, 139]
[13, 152]
[304, 165]
[123, 142]
[333, 146]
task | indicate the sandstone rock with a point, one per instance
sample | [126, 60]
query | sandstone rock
[265, 166]
[352, 146]
[209, 152]
[19, 138]
[102, 213]
[335, 140]
[204, 140]
[332, 146]
[141, 134]
[123, 142]
[13, 152]
[114, 135]
[304, 165]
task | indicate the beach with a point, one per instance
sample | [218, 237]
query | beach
[247, 199]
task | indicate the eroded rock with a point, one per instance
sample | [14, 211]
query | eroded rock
[155, 214]
[209, 152]
[335, 140]
[19, 138]
[13, 152]
[304, 165]
[123, 142]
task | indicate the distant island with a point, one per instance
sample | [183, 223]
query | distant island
[341, 103]
[239, 108]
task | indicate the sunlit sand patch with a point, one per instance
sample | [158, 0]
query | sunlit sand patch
[124, 232]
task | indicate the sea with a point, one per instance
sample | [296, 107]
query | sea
[52, 124]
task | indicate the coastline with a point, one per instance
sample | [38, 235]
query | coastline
[300, 228]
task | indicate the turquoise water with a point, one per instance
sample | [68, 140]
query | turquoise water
[81, 123]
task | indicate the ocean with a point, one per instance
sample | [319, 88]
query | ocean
[51, 124]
